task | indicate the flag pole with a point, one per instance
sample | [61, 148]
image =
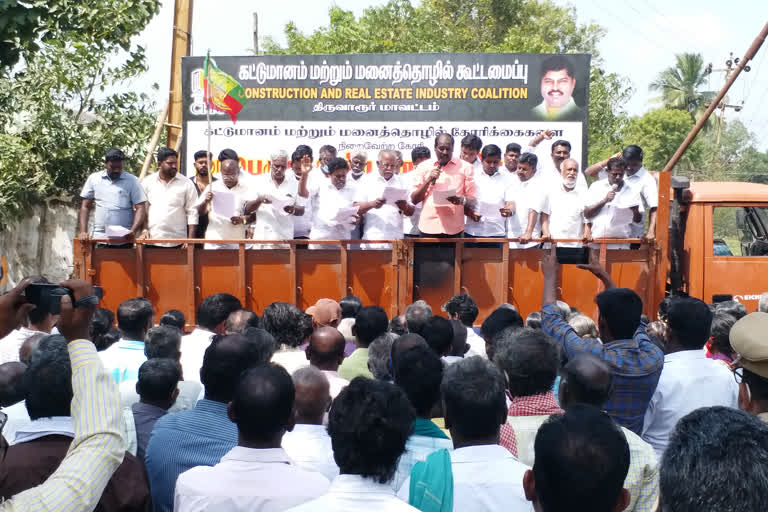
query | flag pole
[208, 112]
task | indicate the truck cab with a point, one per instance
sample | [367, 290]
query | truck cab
[725, 249]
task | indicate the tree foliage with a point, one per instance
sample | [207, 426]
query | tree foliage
[64, 108]
[660, 132]
[681, 85]
[474, 26]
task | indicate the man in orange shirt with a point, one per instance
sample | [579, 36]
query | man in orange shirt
[444, 186]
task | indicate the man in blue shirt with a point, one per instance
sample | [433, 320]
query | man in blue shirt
[636, 362]
[116, 195]
[203, 435]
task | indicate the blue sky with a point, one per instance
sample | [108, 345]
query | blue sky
[642, 38]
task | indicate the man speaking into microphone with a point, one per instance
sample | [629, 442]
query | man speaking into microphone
[444, 186]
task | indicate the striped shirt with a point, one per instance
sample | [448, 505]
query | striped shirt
[642, 480]
[636, 365]
[182, 441]
[97, 449]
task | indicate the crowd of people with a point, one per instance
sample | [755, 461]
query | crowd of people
[486, 192]
[341, 408]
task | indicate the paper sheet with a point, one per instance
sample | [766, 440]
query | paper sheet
[621, 216]
[224, 204]
[393, 194]
[346, 213]
[440, 196]
[280, 202]
[116, 231]
[489, 210]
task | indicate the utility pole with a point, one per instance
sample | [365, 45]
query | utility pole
[723, 105]
[182, 42]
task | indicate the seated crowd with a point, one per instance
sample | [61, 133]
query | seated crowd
[483, 193]
[340, 408]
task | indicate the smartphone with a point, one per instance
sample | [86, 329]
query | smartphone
[572, 255]
[47, 297]
[721, 298]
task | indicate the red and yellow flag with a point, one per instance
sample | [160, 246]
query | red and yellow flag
[222, 92]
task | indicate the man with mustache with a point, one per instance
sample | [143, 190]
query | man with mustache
[566, 205]
[557, 85]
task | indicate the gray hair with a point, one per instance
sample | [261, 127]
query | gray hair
[387, 152]
[379, 353]
[473, 393]
[564, 309]
[762, 305]
[359, 153]
[529, 357]
[416, 315]
[281, 153]
[584, 326]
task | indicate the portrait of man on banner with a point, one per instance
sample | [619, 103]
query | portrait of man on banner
[558, 83]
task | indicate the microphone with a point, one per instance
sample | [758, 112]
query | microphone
[439, 168]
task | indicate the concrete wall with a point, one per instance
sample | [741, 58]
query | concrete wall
[40, 243]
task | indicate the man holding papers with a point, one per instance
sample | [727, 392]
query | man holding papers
[612, 205]
[566, 206]
[332, 199]
[381, 197]
[225, 199]
[484, 218]
[529, 216]
[444, 186]
[278, 201]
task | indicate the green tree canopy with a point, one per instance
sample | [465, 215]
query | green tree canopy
[62, 109]
[660, 132]
[681, 85]
[474, 26]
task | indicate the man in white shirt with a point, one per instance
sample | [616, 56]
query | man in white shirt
[512, 157]
[366, 448]
[228, 222]
[526, 205]
[277, 203]
[411, 224]
[308, 444]
[302, 156]
[566, 206]
[484, 216]
[641, 180]
[486, 477]
[325, 352]
[123, 359]
[332, 198]
[470, 151]
[256, 474]
[612, 206]
[211, 320]
[358, 162]
[688, 380]
[382, 212]
[172, 201]
[549, 165]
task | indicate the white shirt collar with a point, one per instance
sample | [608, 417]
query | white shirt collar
[359, 484]
[686, 355]
[41, 427]
[266, 455]
[480, 453]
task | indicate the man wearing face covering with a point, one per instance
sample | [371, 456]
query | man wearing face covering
[566, 206]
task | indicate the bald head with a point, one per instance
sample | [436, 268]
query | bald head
[313, 395]
[238, 321]
[326, 348]
[11, 376]
[586, 379]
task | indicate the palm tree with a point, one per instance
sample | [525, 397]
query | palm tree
[681, 85]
